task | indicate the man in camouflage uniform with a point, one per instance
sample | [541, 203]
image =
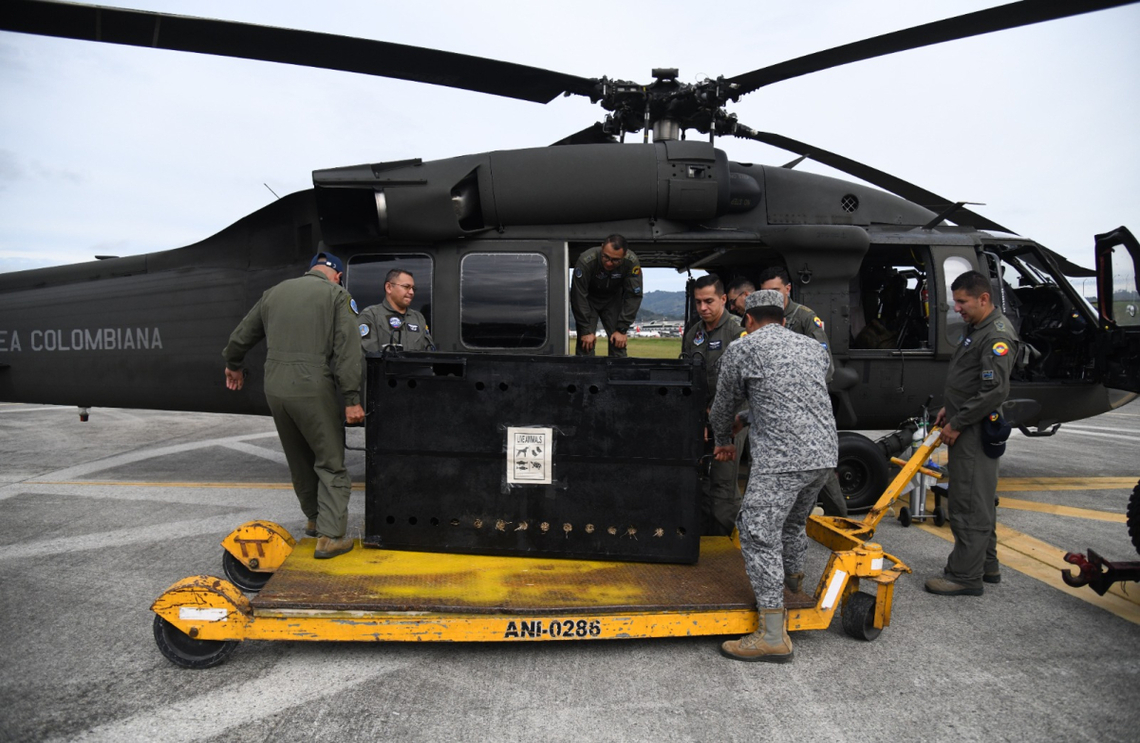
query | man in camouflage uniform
[310, 331]
[606, 286]
[393, 321]
[709, 338]
[794, 447]
[977, 383]
[803, 320]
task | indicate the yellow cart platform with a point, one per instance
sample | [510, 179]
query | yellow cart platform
[386, 595]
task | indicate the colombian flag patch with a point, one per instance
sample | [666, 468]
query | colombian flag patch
[1000, 348]
[636, 270]
[818, 322]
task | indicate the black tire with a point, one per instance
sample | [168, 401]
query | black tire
[940, 516]
[859, 617]
[862, 470]
[241, 576]
[183, 650]
[904, 516]
[1134, 517]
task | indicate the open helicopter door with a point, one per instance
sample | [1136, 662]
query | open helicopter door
[1118, 301]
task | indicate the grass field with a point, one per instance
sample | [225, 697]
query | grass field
[646, 348]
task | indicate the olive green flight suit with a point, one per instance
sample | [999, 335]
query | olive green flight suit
[977, 383]
[310, 331]
[721, 498]
[803, 320]
[387, 326]
[614, 297]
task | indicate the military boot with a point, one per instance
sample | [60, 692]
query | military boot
[768, 644]
[332, 546]
[794, 582]
[311, 528]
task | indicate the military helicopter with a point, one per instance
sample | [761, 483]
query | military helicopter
[491, 238]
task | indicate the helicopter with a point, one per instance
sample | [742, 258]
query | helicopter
[492, 237]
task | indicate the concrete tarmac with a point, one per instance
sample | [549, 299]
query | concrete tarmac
[97, 519]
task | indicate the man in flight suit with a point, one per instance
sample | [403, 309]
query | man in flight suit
[709, 338]
[794, 447]
[309, 327]
[803, 320]
[393, 322]
[606, 286]
[977, 383]
[738, 291]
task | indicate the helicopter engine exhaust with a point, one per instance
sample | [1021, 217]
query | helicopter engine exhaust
[449, 199]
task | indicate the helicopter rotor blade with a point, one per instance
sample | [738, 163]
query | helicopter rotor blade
[593, 134]
[883, 180]
[289, 46]
[1013, 15]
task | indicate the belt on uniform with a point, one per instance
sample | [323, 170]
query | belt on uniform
[295, 357]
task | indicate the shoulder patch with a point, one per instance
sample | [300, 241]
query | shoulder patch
[636, 270]
[743, 333]
[352, 304]
[999, 325]
[1000, 348]
[577, 273]
[364, 330]
[818, 322]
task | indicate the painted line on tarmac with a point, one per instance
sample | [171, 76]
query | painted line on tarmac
[257, 451]
[356, 486]
[1015, 504]
[295, 681]
[1044, 562]
[170, 531]
[1115, 436]
[71, 473]
[1072, 427]
[1030, 484]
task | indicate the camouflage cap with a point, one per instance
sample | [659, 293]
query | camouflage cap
[764, 298]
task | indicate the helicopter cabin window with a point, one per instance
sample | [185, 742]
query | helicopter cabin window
[503, 299]
[953, 267]
[366, 273]
[890, 303]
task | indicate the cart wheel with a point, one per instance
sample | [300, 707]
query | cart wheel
[241, 576]
[182, 650]
[940, 516]
[904, 516]
[859, 617]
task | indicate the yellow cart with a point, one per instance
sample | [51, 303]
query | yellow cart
[388, 595]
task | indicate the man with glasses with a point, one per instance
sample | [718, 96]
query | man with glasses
[607, 287]
[393, 322]
[738, 291]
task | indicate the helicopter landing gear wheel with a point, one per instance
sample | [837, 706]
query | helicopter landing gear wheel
[183, 650]
[1134, 517]
[241, 576]
[904, 516]
[859, 617]
[861, 469]
[940, 516]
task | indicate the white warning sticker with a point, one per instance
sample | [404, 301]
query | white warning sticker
[200, 614]
[528, 455]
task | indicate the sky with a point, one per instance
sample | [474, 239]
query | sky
[119, 150]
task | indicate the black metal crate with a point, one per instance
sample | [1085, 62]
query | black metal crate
[619, 439]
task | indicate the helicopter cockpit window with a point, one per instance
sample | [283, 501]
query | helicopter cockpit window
[890, 302]
[503, 300]
[365, 279]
